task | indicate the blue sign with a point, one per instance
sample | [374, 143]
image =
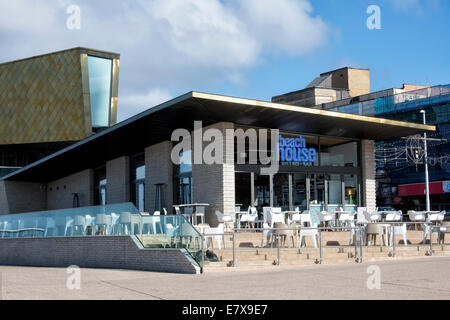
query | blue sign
[446, 186]
[295, 150]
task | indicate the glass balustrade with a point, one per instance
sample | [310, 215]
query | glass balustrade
[111, 220]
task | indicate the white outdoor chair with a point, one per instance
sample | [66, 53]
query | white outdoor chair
[171, 233]
[79, 226]
[275, 215]
[226, 219]
[215, 233]
[372, 216]
[177, 210]
[325, 217]
[200, 213]
[314, 233]
[433, 218]
[416, 216]
[102, 221]
[396, 216]
[250, 217]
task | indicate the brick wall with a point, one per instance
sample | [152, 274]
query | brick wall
[368, 174]
[118, 180]
[92, 252]
[60, 192]
[214, 184]
[18, 196]
[158, 170]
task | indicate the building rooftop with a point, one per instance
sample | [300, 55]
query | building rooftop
[157, 124]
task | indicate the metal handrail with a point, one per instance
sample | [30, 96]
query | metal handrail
[359, 227]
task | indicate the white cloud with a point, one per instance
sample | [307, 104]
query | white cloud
[170, 45]
[141, 102]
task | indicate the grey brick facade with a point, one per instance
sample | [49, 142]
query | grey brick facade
[118, 180]
[93, 252]
[60, 192]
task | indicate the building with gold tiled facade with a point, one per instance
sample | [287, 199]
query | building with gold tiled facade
[55, 99]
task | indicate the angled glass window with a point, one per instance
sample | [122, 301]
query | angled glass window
[100, 71]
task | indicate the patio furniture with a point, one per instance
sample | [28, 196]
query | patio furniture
[127, 223]
[215, 233]
[443, 230]
[226, 219]
[396, 216]
[433, 219]
[102, 224]
[313, 232]
[188, 213]
[275, 215]
[416, 216]
[249, 217]
[284, 233]
[325, 217]
[372, 216]
[372, 231]
[199, 213]
[79, 225]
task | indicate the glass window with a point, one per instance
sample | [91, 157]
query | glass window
[100, 70]
[351, 189]
[317, 189]
[262, 190]
[299, 191]
[100, 186]
[182, 190]
[243, 188]
[137, 179]
[340, 155]
[334, 190]
[281, 190]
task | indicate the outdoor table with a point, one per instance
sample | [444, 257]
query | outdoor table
[194, 207]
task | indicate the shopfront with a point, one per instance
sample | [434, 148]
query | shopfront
[315, 173]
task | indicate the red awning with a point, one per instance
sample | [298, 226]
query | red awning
[418, 189]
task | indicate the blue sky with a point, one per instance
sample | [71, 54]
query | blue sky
[412, 47]
[248, 48]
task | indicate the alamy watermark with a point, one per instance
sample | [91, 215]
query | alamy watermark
[73, 21]
[73, 281]
[374, 20]
[212, 146]
[374, 279]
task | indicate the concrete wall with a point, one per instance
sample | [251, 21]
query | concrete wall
[158, 170]
[60, 192]
[214, 184]
[18, 196]
[368, 174]
[118, 180]
[92, 252]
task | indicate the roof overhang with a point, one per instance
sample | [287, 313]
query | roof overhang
[157, 124]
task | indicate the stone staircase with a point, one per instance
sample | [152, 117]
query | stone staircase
[335, 250]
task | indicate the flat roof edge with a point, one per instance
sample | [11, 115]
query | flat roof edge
[81, 49]
[334, 114]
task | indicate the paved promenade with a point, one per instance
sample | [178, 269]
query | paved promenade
[424, 278]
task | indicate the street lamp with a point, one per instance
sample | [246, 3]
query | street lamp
[427, 188]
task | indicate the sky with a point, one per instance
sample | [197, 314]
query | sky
[250, 48]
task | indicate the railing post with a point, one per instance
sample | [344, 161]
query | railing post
[320, 246]
[360, 244]
[278, 249]
[431, 239]
[394, 249]
[203, 253]
[234, 249]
